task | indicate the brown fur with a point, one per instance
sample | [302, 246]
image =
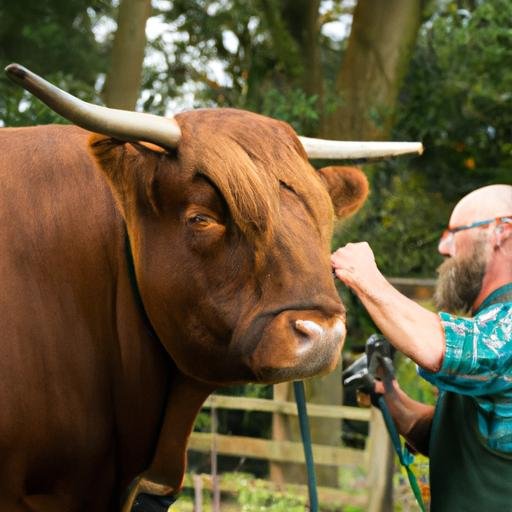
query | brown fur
[103, 371]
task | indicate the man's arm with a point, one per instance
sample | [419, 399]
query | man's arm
[413, 330]
[413, 419]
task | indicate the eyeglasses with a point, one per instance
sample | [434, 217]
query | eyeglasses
[447, 235]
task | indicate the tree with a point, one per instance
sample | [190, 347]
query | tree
[56, 39]
[379, 49]
[456, 99]
[122, 86]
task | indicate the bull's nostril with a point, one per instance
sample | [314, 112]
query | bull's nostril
[310, 329]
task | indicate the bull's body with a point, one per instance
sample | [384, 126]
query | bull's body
[84, 381]
[136, 281]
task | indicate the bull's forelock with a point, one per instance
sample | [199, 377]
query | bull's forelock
[250, 192]
[249, 157]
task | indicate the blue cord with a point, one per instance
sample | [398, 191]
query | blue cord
[300, 398]
[404, 456]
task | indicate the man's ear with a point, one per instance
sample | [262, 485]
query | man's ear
[501, 234]
[347, 186]
[130, 170]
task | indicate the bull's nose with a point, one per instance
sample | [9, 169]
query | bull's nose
[311, 332]
[297, 344]
[308, 332]
[309, 328]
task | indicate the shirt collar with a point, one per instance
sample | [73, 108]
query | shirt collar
[496, 296]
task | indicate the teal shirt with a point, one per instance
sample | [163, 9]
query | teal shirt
[478, 363]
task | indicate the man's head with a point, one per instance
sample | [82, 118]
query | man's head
[478, 248]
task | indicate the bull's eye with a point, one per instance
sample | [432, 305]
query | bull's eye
[204, 226]
[199, 220]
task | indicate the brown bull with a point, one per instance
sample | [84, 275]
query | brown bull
[135, 280]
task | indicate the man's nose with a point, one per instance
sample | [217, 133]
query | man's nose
[445, 245]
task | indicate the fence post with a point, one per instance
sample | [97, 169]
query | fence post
[214, 454]
[198, 493]
[278, 433]
[380, 465]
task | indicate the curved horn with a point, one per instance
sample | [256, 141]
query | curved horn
[120, 124]
[320, 148]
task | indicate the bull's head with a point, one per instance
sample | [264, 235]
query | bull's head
[230, 230]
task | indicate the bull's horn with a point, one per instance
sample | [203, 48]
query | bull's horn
[320, 148]
[120, 124]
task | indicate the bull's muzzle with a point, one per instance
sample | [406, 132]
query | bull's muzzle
[298, 344]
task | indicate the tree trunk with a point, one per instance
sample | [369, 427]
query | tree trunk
[124, 78]
[379, 49]
[302, 19]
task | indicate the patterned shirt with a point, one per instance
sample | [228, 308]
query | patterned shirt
[478, 363]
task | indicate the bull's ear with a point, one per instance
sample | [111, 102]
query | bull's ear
[129, 168]
[347, 186]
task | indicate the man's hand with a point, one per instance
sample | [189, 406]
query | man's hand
[355, 266]
[366, 399]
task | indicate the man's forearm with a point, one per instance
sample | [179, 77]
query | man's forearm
[412, 419]
[412, 329]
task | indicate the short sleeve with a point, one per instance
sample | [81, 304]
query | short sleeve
[478, 356]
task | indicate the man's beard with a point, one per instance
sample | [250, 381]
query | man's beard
[460, 281]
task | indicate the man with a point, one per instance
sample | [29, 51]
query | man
[468, 435]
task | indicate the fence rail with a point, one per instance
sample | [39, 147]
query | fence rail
[274, 451]
[289, 408]
[285, 451]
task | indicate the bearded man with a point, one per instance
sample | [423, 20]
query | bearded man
[468, 434]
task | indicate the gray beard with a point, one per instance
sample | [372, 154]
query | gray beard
[460, 282]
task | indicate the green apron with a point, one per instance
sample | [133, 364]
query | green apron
[465, 475]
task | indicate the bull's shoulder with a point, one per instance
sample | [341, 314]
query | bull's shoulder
[42, 151]
[52, 194]
[45, 159]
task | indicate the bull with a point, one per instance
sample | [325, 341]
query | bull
[145, 263]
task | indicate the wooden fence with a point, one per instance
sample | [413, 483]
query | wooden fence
[375, 458]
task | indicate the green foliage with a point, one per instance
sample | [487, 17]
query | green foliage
[457, 98]
[203, 422]
[259, 46]
[402, 220]
[254, 497]
[293, 106]
[418, 389]
[55, 39]
[229, 34]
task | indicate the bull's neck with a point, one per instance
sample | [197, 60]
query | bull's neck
[132, 277]
[164, 475]
[141, 370]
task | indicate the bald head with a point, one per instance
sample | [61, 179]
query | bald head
[483, 203]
